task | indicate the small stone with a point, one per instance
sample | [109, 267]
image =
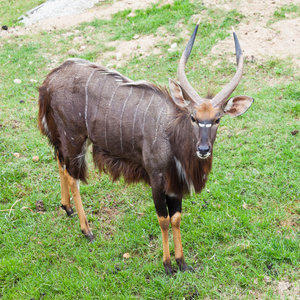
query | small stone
[33, 81]
[126, 255]
[72, 52]
[173, 47]
[119, 56]
[245, 206]
[136, 36]
[4, 27]
[17, 81]
[35, 158]
[16, 154]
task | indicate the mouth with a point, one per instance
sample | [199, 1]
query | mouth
[201, 156]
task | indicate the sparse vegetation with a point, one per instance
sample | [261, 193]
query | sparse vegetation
[11, 10]
[241, 235]
[289, 11]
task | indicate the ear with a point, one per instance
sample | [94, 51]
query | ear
[177, 95]
[238, 105]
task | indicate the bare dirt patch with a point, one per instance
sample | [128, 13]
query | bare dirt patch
[260, 41]
[139, 47]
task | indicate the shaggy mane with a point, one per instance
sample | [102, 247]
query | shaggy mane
[196, 170]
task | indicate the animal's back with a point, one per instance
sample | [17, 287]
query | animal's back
[122, 118]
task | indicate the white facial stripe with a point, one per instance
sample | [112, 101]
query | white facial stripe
[204, 125]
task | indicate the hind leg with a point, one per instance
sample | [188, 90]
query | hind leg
[74, 186]
[65, 192]
[70, 175]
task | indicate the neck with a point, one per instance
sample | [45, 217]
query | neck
[189, 173]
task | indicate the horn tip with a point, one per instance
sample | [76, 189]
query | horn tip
[198, 23]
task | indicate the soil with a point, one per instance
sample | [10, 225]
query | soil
[259, 40]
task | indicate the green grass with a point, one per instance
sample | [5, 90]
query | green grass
[241, 235]
[11, 10]
[123, 26]
[288, 11]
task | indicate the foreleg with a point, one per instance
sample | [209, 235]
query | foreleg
[160, 203]
[175, 205]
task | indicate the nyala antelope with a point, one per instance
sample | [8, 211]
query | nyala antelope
[138, 130]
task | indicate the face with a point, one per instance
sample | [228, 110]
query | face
[205, 120]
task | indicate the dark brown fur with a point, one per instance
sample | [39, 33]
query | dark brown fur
[179, 132]
[181, 139]
[117, 167]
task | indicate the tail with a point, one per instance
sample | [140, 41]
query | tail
[44, 109]
[46, 121]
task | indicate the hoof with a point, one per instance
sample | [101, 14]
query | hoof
[69, 210]
[186, 268]
[183, 267]
[89, 236]
[170, 271]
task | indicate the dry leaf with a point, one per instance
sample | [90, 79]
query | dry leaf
[126, 255]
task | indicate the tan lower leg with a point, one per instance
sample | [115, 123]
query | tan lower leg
[175, 222]
[164, 224]
[65, 193]
[78, 203]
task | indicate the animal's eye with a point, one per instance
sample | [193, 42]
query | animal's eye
[193, 119]
[217, 121]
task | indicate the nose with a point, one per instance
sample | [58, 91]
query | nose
[203, 149]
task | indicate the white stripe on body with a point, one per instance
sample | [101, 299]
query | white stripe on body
[87, 101]
[157, 125]
[134, 118]
[144, 120]
[106, 113]
[121, 118]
